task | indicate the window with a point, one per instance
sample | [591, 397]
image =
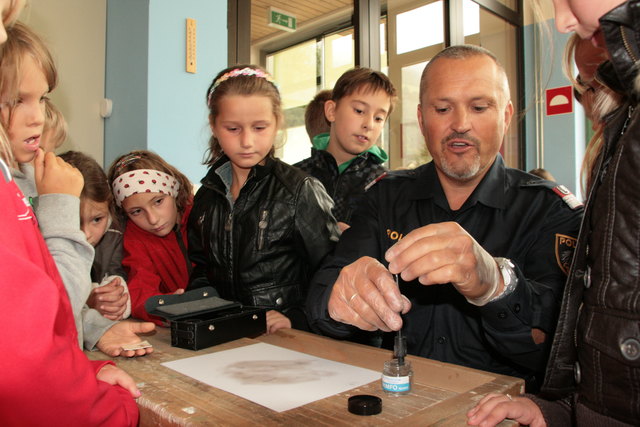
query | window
[498, 36]
[409, 38]
[416, 34]
[301, 71]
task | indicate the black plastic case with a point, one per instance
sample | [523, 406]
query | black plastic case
[199, 319]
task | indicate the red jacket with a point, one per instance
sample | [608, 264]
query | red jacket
[46, 379]
[154, 265]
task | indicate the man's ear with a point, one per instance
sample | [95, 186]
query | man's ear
[508, 115]
[330, 110]
[420, 123]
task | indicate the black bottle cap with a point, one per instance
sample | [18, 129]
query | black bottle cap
[365, 404]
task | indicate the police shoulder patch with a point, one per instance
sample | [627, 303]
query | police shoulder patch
[390, 175]
[375, 181]
[567, 196]
[565, 246]
[560, 190]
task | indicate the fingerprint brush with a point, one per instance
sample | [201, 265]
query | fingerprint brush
[400, 342]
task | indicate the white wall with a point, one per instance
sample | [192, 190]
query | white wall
[75, 32]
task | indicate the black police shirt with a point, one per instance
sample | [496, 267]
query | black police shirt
[510, 214]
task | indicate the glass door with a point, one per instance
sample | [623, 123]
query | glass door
[485, 29]
[416, 34]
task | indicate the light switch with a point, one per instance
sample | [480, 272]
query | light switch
[191, 45]
[106, 108]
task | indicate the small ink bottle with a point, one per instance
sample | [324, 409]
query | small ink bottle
[397, 374]
[396, 378]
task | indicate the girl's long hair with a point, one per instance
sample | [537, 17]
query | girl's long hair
[10, 17]
[604, 101]
[21, 41]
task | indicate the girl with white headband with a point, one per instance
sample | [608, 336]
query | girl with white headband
[156, 199]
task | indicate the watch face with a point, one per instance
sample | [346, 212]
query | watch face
[504, 270]
[508, 276]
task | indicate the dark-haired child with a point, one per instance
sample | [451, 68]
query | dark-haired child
[347, 159]
[315, 121]
[110, 294]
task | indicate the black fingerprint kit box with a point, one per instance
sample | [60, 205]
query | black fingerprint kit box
[200, 319]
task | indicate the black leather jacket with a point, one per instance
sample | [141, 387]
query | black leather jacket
[263, 250]
[595, 358]
[347, 187]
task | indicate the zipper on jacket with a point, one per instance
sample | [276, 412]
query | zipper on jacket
[228, 228]
[262, 226]
[605, 164]
[626, 122]
[627, 47]
[228, 225]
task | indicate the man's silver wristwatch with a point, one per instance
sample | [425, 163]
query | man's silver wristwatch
[509, 276]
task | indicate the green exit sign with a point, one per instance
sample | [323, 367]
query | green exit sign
[282, 20]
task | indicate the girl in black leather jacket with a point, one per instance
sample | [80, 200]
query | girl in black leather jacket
[259, 228]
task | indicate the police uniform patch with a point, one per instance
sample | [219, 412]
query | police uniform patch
[402, 173]
[567, 196]
[375, 181]
[565, 245]
[558, 189]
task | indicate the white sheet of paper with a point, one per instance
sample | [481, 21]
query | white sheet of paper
[274, 377]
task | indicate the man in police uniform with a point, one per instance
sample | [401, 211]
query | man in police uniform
[482, 250]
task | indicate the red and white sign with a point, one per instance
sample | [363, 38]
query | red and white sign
[559, 100]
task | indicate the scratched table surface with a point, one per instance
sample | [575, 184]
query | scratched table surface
[441, 393]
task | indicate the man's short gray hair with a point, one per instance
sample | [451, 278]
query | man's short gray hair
[462, 51]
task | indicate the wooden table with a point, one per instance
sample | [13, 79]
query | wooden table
[441, 394]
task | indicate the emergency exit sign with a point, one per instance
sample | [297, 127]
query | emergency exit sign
[282, 20]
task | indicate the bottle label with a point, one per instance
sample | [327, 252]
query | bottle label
[396, 384]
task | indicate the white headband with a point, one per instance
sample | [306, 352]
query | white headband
[144, 181]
